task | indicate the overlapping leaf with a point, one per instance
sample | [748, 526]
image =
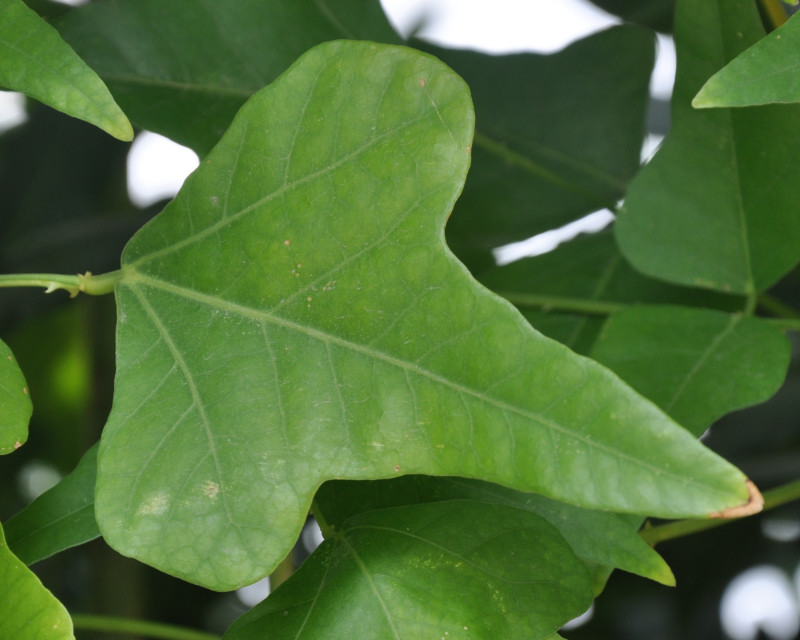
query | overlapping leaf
[183, 69]
[717, 206]
[709, 363]
[15, 402]
[549, 150]
[28, 611]
[295, 316]
[596, 537]
[60, 518]
[439, 570]
[559, 291]
[767, 72]
[36, 61]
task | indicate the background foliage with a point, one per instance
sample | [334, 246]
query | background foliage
[293, 331]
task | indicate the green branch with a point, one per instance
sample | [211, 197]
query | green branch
[143, 628]
[81, 283]
[671, 530]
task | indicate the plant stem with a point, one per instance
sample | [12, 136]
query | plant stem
[567, 305]
[142, 628]
[772, 498]
[775, 12]
[86, 282]
[777, 307]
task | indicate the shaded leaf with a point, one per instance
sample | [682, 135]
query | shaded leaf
[307, 252]
[36, 61]
[657, 14]
[449, 569]
[709, 363]
[60, 518]
[769, 71]
[15, 402]
[707, 211]
[28, 611]
[587, 275]
[596, 537]
[552, 142]
[184, 69]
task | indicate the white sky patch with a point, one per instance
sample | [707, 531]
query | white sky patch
[761, 598]
[254, 593]
[500, 26]
[157, 168]
[12, 110]
[549, 240]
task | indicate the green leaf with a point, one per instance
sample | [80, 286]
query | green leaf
[442, 570]
[559, 291]
[15, 403]
[657, 14]
[36, 61]
[60, 518]
[294, 316]
[709, 363]
[183, 69]
[767, 72]
[552, 142]
[596, 537]
[707, 210]
[28, 611]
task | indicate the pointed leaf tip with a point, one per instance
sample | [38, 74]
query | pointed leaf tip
[754, 504]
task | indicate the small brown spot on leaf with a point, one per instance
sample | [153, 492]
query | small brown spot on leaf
[25, 390]
[397, 467]
[422, 82]
[754, 504]
[287, 242]
[17, 445]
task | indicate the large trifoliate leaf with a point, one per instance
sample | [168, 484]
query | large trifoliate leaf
[60, 518]
[184, 69]
[36, 61]
[28, 611]
[15, 403]
[707, 210]
[709, 363]
[437, 570]
[295, 316]
[769, 71]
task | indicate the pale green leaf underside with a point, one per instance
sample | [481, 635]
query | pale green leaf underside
[36, 61]
[437, 570]
[28, 611]
[769, 71]
[707, 211]
[15, 402]
[294, 316]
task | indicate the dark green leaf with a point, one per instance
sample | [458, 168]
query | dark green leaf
[294, 316]
[443, 570]
[36, 61]
[657, 14]
[28, 611]
[15, 402]
[553, 142]
[717, 206]
[60, 518]
[183, 69]
[585, 276]
[769, 71]
[596, 537]
[709, 363]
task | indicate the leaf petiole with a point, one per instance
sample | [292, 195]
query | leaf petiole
[679, 528]
[81, 283]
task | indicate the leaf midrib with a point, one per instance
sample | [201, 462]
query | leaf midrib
[132, 278]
